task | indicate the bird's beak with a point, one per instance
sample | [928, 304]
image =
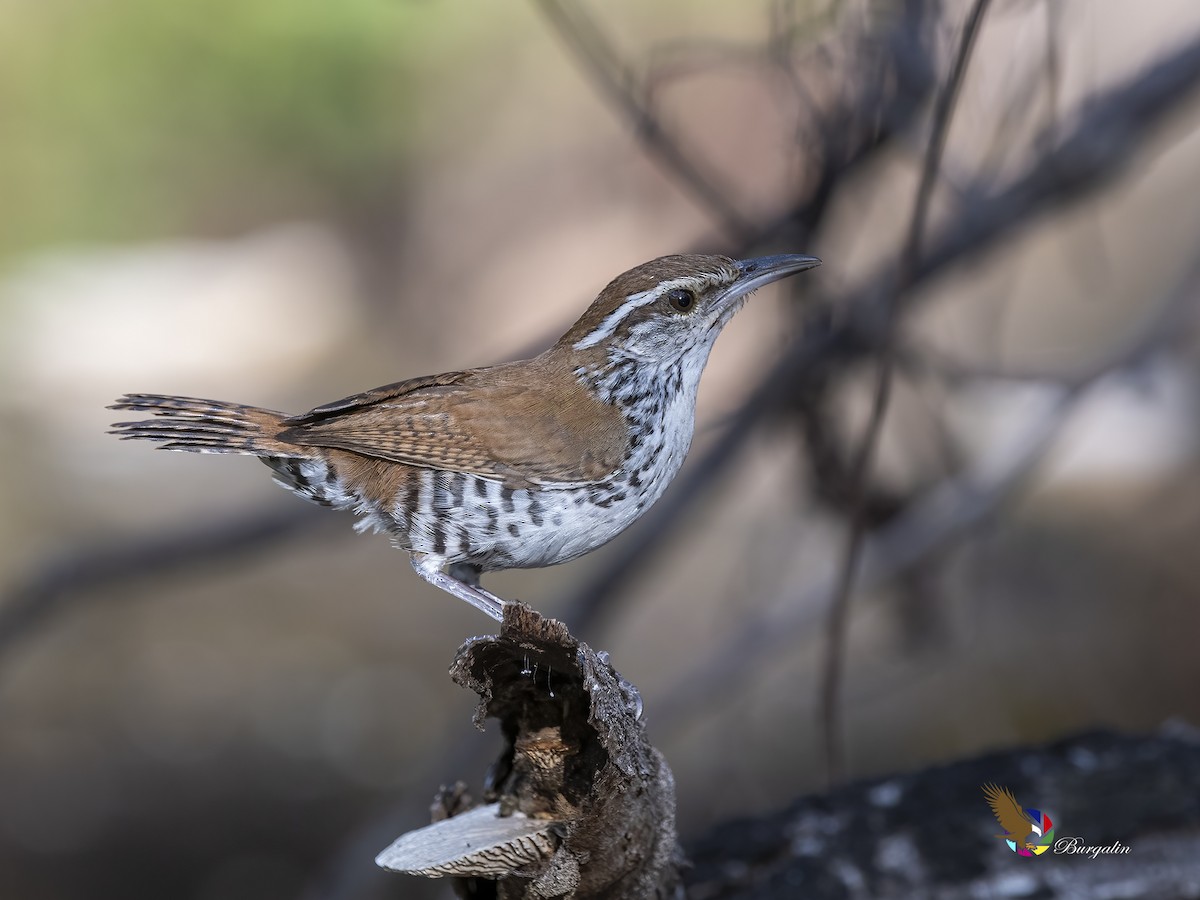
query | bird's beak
[765, 269]
[754, 273]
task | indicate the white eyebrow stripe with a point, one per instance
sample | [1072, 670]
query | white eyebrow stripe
[636, 301]
[614, 318]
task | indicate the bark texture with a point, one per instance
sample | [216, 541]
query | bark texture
[579, 804]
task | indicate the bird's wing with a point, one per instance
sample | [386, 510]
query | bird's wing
[358, 402]
[1007, 810]
[521, 430]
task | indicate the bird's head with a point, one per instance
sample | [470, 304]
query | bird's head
[671, 309]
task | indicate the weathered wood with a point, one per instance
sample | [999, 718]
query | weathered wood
[478, 842]
[580, 805]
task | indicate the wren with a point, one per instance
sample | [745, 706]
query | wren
[512, 466]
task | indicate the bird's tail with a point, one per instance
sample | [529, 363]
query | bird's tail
[203, 426]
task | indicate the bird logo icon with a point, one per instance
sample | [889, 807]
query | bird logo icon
[1027, 831]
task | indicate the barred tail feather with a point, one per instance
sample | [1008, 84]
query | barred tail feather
[203, 426]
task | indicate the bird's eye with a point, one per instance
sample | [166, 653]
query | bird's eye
[681, 300]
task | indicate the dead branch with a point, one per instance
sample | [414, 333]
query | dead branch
[578, 803]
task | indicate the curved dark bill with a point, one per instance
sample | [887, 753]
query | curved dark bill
[755, 273]
[764, 269]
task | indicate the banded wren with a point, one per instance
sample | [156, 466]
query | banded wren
[514, 466]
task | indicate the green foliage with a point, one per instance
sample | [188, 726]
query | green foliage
[120, 118]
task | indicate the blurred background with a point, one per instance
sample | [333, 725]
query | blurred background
[209, 690]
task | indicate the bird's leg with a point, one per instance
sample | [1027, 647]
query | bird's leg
[466, 573]
[429, 567]
[469, 574]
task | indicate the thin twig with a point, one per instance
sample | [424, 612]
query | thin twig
[1054, 15]
[616, 83]
[831, 672]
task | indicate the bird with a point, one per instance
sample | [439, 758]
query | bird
[1017, 824]
[519, 465]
